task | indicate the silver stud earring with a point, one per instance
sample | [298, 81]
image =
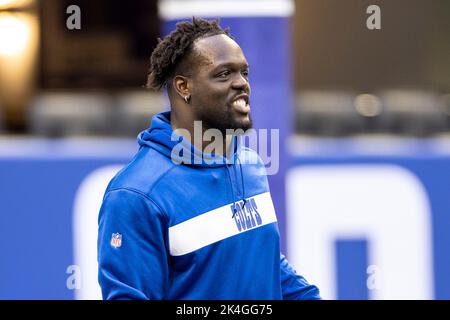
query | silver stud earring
[186, 98]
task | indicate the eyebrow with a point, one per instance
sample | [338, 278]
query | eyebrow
[230, 64]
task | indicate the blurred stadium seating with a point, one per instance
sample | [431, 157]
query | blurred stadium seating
[134, 109]
[327, 113]
[1, 120]
[445, 102]
[317, 112]
[60, 114]
[395, 111]
[413, 112]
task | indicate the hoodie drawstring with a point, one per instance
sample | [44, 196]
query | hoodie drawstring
[232, 188]
[242, 181]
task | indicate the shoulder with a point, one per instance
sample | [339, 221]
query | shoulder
[142, 173]
[249, 156]
[123, 202]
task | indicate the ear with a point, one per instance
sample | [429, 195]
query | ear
[182, 86]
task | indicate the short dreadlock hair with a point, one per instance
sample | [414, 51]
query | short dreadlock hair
[170, 51]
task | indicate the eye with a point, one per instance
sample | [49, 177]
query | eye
[223, 74]
[245, 73]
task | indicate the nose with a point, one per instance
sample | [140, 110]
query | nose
[240, 82]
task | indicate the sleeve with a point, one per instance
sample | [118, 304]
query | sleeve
[133, 258]
[294, 286]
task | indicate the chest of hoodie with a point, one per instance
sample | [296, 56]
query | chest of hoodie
[188, 192]
[213, 203]
[211, 223]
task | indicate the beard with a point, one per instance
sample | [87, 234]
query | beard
[226, 120]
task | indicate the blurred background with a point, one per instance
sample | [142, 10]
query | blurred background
[363, 188]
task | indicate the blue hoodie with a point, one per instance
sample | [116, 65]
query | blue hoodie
[201, 229]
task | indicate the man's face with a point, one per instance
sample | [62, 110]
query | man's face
[220, 88]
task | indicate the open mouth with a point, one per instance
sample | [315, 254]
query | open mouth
[241, 104]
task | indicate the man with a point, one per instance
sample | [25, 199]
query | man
[176, 226]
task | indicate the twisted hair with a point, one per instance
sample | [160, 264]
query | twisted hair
[170, 51]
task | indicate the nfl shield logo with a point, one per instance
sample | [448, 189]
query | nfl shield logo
[116, 240]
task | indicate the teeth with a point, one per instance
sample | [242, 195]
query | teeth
[239, 103]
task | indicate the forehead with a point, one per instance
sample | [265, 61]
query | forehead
[219, 49]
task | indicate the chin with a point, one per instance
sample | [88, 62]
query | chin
[243, 123]
[230, 122]
[246, 126]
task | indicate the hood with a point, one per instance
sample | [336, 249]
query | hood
[162, 138]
